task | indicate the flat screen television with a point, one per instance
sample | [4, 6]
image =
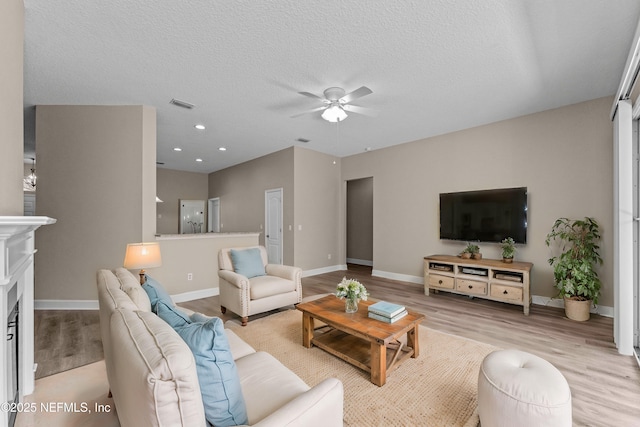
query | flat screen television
[485, 216]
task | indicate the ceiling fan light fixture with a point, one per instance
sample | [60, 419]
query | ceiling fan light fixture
[333, 114]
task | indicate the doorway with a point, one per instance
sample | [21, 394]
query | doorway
[273, 225]
[213, 212]
[360, 222]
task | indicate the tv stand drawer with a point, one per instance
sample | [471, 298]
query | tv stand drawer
[442, 282]
[471, 287]
[506, 293]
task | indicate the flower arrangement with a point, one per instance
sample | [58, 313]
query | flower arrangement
[351, 289]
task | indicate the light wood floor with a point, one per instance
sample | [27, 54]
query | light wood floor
[605, 386]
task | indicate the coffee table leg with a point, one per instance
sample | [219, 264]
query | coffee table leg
[378, 364]
[413, 341]
[307, 330]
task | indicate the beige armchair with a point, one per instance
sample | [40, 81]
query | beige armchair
[281, 286]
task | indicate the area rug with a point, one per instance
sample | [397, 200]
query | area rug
[439, 388]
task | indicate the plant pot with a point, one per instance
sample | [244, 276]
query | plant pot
[507, 260]
[576, 309]
[465, 255]
[476, 256]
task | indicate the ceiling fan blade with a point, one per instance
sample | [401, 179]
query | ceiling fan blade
[360, 110]
[358, 93]
[314, 96]
[309, 111]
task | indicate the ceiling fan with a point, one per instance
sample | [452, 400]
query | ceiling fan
[336, 103]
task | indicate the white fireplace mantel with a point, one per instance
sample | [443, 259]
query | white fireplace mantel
[16, 284]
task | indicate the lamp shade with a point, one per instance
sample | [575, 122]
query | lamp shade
[142, 255]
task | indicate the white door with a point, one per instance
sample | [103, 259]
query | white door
[273, 228]
[191, 216]
[213, 223]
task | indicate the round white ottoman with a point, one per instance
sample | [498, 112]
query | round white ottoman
[516, 388]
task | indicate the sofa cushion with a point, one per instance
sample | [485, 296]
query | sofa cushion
[155, 381]
[130, 284]
[222, 397]
[156, 292]
[266, 286]
[239, 348]
[247, 262]
[267, 384]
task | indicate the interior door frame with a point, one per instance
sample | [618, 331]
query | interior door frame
[211, 227]
[280, 191]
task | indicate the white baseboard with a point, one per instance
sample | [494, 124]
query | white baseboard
[190, 296]
[323, 270]
[55, 304]
[59, 304]
[360, 262]
[398, 276]
[602, 310]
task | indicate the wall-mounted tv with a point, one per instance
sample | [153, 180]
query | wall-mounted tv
[485, 216]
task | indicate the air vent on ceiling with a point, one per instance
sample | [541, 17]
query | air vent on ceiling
[183, 104]
[305, 140]
[159, 163]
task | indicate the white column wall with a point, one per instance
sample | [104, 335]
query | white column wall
[623, 227]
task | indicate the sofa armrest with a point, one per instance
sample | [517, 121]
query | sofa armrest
[284, 271]
[321, 406]
[237, 280]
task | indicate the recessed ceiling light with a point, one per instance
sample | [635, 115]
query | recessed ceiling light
[177, 149]
[199, 127]
[222, 149]
[198, 160]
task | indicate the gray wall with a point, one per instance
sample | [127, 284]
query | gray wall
[96, 167]
[564, 156]
[317, 209]
[173, 185]
[360, 220]
[241, 191]
[11, 107]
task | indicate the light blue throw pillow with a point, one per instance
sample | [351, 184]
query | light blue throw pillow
[172, 315]
[217, 374]
[247, 262]
[156, 293]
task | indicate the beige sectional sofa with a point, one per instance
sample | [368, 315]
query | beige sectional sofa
[153, 378]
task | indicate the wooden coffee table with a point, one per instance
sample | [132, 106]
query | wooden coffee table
[369, 344]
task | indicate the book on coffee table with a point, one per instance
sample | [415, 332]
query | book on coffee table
[386, 309]
[386, 319]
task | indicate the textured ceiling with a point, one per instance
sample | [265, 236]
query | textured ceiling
[434, 66]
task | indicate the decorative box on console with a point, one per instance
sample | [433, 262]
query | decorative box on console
[16, 308]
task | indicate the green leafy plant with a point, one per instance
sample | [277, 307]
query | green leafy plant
[574, 270]
[472, 249]
[508, 246]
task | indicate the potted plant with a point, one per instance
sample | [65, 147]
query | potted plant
[508, 246]
[474, 250]
[465, 254]
[574, 270]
